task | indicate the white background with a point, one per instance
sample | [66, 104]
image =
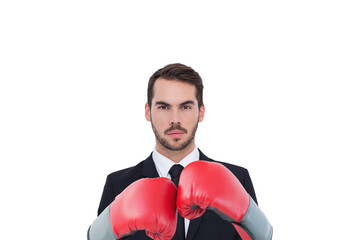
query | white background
[281, 94]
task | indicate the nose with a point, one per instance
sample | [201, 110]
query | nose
[175, 118]
[175, 123]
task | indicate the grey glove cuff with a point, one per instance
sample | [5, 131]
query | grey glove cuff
[101, 229]
[256, 224]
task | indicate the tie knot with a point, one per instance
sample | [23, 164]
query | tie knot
[176, 170]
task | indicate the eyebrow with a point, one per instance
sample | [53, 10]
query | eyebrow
[162, 103]
[181, 104]
[187, 102]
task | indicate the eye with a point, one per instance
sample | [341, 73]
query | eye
[186, 107]
[163, 107]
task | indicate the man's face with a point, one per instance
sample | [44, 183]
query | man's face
[174, 114]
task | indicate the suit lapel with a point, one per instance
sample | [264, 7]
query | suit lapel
[149, 169]
[193, 227]
[175, 237]
[204, 157]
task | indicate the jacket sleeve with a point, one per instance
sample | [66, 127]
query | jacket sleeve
[107, 197]
[248, 185]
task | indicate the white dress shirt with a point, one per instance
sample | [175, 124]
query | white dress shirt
[163, 165]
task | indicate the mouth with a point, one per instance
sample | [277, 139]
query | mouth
[176, 134]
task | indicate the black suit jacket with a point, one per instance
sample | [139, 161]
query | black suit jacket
[208, 227]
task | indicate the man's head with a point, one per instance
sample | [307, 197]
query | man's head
[178, 72]
[175, 106]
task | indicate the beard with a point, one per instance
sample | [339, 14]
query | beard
[175, 147]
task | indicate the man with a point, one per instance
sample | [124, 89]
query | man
[174, 107]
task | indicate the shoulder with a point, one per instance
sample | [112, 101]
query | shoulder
[127, 172]
[121, 179]
[240, 172]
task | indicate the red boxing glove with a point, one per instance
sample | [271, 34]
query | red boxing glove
[148, 204]
[209, 185]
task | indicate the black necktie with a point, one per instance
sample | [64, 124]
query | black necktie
[175, 172]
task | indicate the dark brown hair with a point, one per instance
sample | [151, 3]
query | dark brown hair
[179, 72]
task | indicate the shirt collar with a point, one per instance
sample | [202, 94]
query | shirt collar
[163, 164]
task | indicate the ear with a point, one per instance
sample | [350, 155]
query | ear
[202, 113]
[147, 112]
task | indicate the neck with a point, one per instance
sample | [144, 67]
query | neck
[175, 156]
